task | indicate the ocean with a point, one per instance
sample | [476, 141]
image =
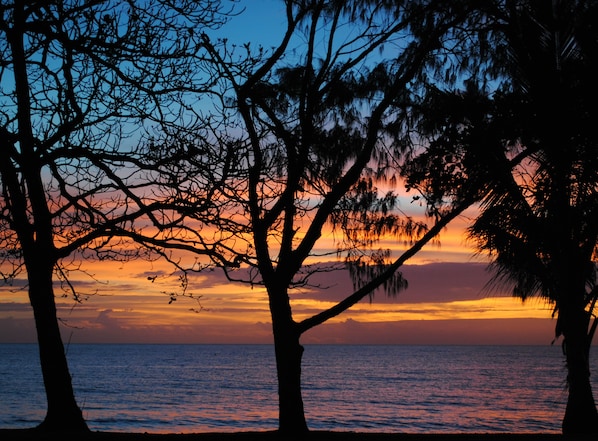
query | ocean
[227, 388]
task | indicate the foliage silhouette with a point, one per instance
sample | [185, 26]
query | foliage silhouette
[531, 149]
[295, 144]
[77, 78]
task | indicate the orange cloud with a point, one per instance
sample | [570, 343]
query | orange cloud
[445, 303]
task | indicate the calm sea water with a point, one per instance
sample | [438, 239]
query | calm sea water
[202, 388]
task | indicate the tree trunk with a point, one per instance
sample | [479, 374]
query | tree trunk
[63, 413]
[289, 353]
[581, 416]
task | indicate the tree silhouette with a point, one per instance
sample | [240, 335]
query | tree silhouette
[547, 244]
[78, 79]
[296, 142]
[531, 149]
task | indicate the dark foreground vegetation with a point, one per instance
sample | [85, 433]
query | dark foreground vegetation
[35, 435]
[129, 129]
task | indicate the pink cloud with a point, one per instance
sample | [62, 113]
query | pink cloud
[429, 283]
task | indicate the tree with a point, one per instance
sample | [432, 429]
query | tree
[297, 140]
[77, 79]
[532, 149]
[548, 244]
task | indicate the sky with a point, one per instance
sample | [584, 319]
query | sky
[446, 301]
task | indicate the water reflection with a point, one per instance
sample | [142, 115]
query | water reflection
[187, 388]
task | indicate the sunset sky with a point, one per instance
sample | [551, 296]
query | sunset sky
[445, 303]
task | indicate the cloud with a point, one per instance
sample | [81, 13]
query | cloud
[237, 314]
[200, 333]
[427, 283]
[15, 307]
[436, 332]
[111, 326]
[17, 330]
[106, 321]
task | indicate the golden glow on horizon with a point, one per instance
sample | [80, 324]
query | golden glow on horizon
[484, 308]
[244, 316]
[122, 300]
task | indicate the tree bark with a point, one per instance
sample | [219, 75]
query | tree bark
[289, 353]
[581, 416]
[63, 413]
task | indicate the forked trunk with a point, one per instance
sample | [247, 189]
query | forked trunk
[63, 413]
[581, 416]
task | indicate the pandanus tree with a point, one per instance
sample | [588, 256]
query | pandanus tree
[299, 138]
[532, 149]
[78, 78]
